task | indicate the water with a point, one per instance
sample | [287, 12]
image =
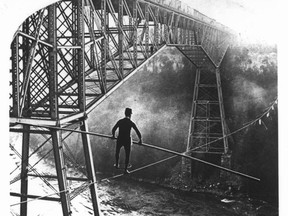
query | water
[135, 198]
[129, 197]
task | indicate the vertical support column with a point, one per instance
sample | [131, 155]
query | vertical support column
[207, 122]
[193, 109]
[128, 11]
[30, 61]
[200, 32]
[15, 76]
[193, 33]
[156, 28]
[166, 33]
[104, 45]
[120, 37]
[25, 57]
[90, 167]
[53, 79]
[186, 32]
[135, 24]
[24, 170]
[196, 33]
[54, 114]
[161, 34]
[175, 33]
[170, 28]
[204, 35]
[189, 35]
[186, 164]
[222, 113]
[80, 55]
[146, 30]
[181, 31]
[74, 37]
[93, 45]
[226, 157]
[61, 171]
[182, 35]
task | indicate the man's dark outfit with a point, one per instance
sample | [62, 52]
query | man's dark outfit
[124, 138]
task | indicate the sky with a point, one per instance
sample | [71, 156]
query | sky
[255, 20]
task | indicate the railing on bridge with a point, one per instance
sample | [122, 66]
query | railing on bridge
[188, 10]
[68, 57]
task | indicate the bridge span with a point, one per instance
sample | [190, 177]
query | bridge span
[70, 56]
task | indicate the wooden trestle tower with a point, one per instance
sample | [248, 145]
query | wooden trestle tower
[68, 57]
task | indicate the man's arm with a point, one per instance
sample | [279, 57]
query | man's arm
[114, 129]
[137, 132]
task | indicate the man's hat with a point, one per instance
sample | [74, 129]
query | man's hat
[128, 111]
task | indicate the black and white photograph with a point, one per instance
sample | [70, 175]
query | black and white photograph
[143, 108]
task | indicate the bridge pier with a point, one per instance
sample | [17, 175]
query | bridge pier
[225, 162]
[190, 169]
[24, 169]
[207, 138]
[90, 167]
[61, 171]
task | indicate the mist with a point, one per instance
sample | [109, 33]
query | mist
[249, 83]
[160, 95]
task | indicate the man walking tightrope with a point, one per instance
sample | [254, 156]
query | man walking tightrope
[124, 137]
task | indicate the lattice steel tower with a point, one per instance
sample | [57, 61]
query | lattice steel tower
[68, 57]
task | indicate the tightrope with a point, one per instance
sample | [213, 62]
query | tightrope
[176, 154]
[153, 147]
[140, 168]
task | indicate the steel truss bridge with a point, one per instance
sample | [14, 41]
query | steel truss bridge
[68, 57]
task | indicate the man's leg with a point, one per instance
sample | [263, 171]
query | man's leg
[127, 155]
[118, 147]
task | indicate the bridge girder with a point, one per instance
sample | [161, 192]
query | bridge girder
[68, 57]
[85, 54]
